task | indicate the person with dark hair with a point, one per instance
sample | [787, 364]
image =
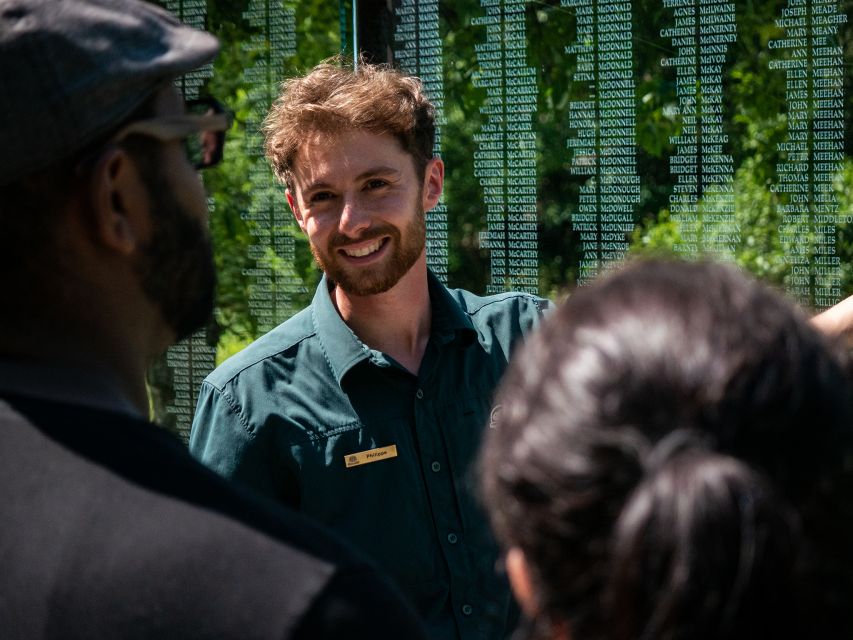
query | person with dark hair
[673, 458]
[109, 528]
[366, 409]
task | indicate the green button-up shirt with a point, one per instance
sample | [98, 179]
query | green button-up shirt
[313, 417]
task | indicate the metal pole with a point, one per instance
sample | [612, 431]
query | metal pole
[355, 35]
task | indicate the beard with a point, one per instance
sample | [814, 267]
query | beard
[175, 267]
[379, 278]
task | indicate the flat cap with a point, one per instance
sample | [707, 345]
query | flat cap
[72, 70]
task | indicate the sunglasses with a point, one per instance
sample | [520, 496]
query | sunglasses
[202, 129]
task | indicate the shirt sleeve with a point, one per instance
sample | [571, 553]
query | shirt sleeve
[223, 439]
[531, 310]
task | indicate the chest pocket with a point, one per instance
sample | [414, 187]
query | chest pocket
[379, 506]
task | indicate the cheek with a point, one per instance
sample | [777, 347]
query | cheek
[195, 188]
[186, 182]
[194, 196]
[316, 228]
[397, 203]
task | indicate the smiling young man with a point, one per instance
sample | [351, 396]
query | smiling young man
[109, 528]
[365, 410]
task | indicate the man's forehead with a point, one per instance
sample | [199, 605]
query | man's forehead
[317, 142]
[345, 148]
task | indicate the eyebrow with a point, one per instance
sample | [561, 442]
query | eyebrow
[373, 171]
[376, 171]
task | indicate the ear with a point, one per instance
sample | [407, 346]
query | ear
[433, 183]
[294, 207]
[521, 582]
[519, 579]
[119, 202]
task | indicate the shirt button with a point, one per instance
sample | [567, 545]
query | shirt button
[452, 538]
[467, 609]
[435, 466]
[420, 394]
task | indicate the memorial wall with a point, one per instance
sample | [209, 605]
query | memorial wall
[603, 150]
[261, 279]
[418, 50]
[574, 133]
[176, 379]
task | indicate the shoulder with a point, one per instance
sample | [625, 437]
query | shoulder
[205, 552]
[270, 392]
[282, 572]
[514, 312]
[508, 302]
[282, 343]
[153, 472]
[360, 606]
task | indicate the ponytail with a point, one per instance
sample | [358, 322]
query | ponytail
[700, 549]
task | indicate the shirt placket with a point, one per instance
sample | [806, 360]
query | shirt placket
[441, 487]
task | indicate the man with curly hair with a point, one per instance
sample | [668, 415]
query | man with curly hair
[366, 409]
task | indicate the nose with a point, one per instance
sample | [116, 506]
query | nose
[354, 219]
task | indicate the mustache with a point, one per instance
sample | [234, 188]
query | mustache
[339, 240]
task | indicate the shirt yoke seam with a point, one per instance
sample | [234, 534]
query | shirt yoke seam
[352, 426]
[258, 361]
[238, 411]
[525, 296]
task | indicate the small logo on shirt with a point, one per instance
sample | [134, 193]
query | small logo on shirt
[373, 455]
[493, 416]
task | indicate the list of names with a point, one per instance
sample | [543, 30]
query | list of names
[604, 120]
[505, 159]
[192, 359]
[811, 58]
[418, 51]
[702, 202]
[273, 279]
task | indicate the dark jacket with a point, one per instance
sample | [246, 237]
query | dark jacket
[109, 529]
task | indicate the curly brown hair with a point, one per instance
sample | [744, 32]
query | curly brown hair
[334, 97]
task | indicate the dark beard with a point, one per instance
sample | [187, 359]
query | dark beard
[176, 268]
[367, 282]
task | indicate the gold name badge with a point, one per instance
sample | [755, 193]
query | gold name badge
[374, 455]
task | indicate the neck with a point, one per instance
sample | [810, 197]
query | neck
[396, 322]
[121, 383]
[113, 345]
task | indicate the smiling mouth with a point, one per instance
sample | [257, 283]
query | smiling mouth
[361, 252]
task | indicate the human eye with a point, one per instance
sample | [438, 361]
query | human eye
[320, 196]
[376, 183]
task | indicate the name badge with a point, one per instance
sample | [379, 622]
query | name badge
[374, 455]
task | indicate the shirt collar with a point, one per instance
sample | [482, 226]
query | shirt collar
[343, 349]
[448, 318]
[64, 383]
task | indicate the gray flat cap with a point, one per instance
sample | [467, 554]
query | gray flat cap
[71, 70]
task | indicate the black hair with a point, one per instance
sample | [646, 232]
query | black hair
[673, 456]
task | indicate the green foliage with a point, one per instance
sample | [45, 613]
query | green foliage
[655, 237]
[233, 189]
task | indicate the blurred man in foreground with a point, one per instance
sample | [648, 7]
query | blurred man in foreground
[109, 528]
